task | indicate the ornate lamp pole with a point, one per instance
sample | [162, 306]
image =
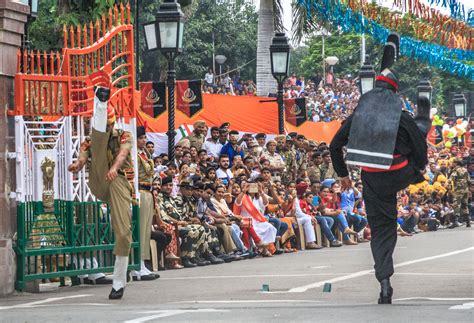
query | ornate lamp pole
[280, 62]
[166, 35]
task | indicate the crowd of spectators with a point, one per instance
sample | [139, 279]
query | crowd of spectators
[237, 196]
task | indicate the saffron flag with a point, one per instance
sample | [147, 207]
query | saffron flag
[153, 98]
[295, 111]
[189, 97]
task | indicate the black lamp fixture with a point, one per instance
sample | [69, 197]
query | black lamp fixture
[366, 76]
[424, 89]
[459, 102]
[166, 35]
[280, 64]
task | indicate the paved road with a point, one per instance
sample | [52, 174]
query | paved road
[434, 282]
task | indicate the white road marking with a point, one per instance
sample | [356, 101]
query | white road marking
[47, 300]
[319, 267]
[465, 306]
[250, 276]
[432, 274]
[433, 299]
[305, 288]
[167, 313]
[249, 301]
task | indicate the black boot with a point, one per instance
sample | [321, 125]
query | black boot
[386, 292]
[200, 262]
[467, 218]
[187, 263]
[213, 259]
[116, 294]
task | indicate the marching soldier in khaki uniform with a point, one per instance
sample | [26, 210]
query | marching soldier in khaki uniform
[110, 173]
[145, 186]
[460, 183]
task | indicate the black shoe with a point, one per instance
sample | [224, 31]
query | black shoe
[116, 294]
[252, 254]
[226, 258]
[187, 263]
[386, 292]
[102, 281]
[200, 262]
[279, 251]
[213, 259]
[145, 277]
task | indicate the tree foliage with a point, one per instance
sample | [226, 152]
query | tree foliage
[347, 48]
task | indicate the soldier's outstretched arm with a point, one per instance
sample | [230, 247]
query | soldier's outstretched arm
[78, 164]
[118, 162]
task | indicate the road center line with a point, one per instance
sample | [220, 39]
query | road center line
[305, 288]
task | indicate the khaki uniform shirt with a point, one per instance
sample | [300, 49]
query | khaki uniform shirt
[145, 168]
[118, 140]
[275, 159]
[196, 140]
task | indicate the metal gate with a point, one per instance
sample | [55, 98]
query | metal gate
[62, 229]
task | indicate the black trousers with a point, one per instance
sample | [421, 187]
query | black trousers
[380, 197]
[162, 239]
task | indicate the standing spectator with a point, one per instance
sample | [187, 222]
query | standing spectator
[209, 78]
[212, 145]
[196, 139]
[232, 148]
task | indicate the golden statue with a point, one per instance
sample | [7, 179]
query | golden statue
[47, 167]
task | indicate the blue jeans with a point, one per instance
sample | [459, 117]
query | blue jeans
[326, 223]
[280, 226]
[342, 224]
[409, 224]
[358, 222]
[235, 232]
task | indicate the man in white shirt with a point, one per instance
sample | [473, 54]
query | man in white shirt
[223, 172]
[212, 144]
[209, 78]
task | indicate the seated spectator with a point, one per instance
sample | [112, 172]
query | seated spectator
[251, 205]
[348, 200]
[330, 208]
[223, 172]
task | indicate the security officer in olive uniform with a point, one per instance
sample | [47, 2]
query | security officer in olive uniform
[145, 185]
[288, 157]
[110, 175]
[460, 183]
[193, 235]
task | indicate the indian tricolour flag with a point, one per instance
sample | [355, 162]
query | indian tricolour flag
[185, 130]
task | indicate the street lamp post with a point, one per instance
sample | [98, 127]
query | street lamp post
[366, 76]
[459, 102]
[331, 61]
[220, 59]
[166, 35]
[424, 89]
[280, 63]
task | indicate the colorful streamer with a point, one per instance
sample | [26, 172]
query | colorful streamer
[457, 10]
[438, 56]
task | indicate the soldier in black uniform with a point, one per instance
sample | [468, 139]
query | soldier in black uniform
[379, 123]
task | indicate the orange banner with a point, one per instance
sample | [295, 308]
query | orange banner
[244, 113]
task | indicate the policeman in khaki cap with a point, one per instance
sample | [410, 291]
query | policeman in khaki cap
[110, 175]
[145, 185]
[198, 136]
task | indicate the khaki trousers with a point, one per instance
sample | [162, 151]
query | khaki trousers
[227, 242]
[146, 218]
[117, 193]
